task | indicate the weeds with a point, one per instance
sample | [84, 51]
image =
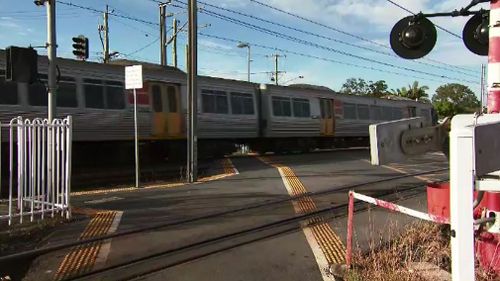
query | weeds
[389, 261]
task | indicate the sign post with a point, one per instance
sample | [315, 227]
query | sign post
[133, 80]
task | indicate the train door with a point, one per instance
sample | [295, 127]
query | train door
[166, 113]
[327, 120]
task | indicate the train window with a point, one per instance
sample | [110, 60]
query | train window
[363, 112]
[157, 104]
[386, 113]
[115, 96]
[172, 99]
[301, 108]
[8, 92]
[424, 113]
[396, 113]
[66, 94]
[350, 111]
[322, 105]
[281, 106]
[37, 94]
[94, 94]
[214, 102]
[242, 103]
[375, 112]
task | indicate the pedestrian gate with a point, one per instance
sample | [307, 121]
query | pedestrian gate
[37, 169]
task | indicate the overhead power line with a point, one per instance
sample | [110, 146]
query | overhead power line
[312, 44]
[447, 68]
[111, 13]
[346, 33]
[319, 58]
[142, 48]
[411, 12]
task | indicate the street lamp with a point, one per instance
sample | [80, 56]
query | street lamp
[246, 45]
[298, 77]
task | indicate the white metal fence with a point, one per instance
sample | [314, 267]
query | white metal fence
[39, 168]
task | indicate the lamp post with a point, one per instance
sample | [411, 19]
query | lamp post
[246, 45]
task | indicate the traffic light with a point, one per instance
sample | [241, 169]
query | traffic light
[22, 64]
[81, 47]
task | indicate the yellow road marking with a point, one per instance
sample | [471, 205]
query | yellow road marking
[401, 171]
[229, 170]
[328, 241]
[82, 258]
[226, 163]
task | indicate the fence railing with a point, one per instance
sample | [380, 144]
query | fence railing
[39, 168]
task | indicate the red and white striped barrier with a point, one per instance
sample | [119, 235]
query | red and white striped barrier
[384, 204]
[494, 59]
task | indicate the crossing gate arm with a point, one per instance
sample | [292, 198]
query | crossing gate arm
[386, 205]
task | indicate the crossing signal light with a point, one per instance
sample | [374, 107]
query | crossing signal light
[81, 47]
[413, 37]
[21, 64]
[476, 34]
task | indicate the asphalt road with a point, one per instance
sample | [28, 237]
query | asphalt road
[285, 252]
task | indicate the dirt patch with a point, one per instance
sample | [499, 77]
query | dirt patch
[24, 237]
[389, 261]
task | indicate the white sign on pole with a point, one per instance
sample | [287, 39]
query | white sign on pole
[133, 80]
[133, 77]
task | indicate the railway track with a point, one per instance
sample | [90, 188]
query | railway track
[141, 267]
[268, 230]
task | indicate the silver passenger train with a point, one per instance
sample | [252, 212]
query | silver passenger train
[265, 117]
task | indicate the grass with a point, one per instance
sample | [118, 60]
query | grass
[389, 261]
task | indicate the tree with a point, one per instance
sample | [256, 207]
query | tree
[414, 92]
[403, 92]
[377, 89]
[452, 99]
[417, 92]
[355, 86]
[358, 86]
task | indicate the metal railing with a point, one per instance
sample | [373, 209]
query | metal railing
[39, 168]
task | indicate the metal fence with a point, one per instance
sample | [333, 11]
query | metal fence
[39, 168]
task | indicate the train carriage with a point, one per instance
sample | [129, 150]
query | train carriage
[230, 112]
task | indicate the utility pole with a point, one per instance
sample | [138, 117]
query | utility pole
[174, 43]
[106, 35]
[483, 74]
[163, 34]
[52, 57]
[276, 68]
[192, 161]
[186, 51]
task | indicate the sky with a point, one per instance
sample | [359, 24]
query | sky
[323, 54]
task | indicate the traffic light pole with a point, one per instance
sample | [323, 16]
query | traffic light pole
[192, 161]
[52, 57]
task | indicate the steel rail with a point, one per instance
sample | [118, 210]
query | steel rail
[222, 238]
[38, 252]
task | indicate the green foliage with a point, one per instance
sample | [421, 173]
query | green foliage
[452, 99]
[360, 87]
[413, 92]
[355, 86]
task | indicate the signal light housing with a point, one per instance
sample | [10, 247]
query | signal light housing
[81, 47]
[21, 65]
[413, 37]
[476, 34]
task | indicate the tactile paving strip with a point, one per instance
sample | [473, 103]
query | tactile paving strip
[329, 242]
[82, 258]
